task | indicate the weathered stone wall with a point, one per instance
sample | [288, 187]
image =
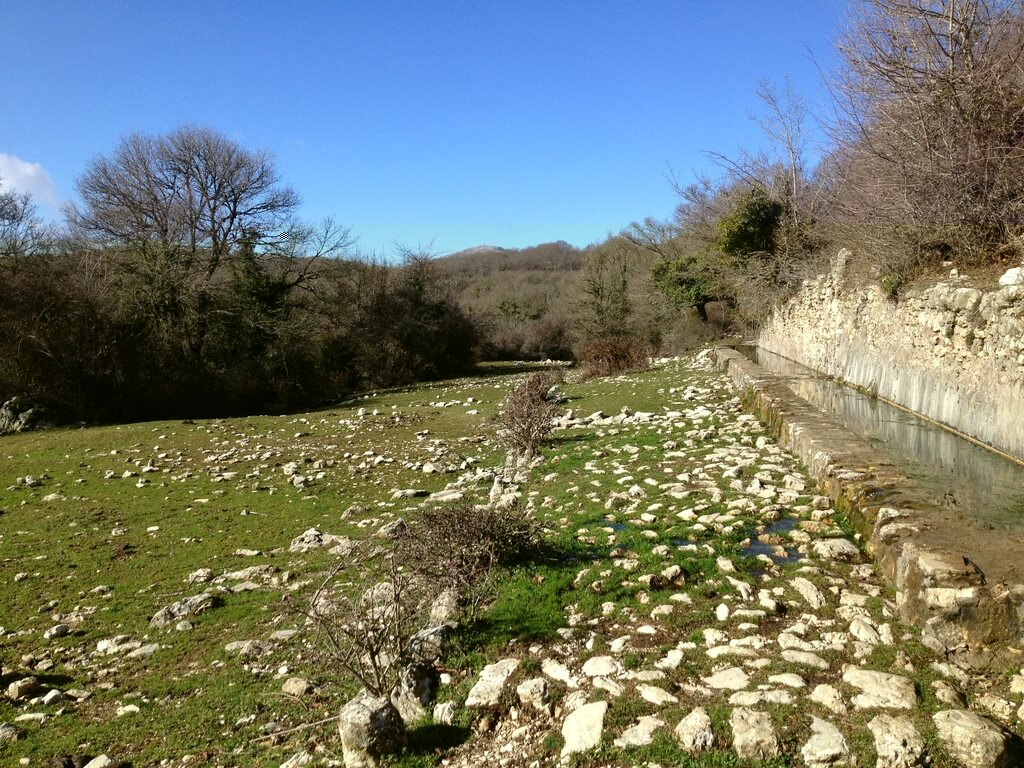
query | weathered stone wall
[929, 554]
[952, 353]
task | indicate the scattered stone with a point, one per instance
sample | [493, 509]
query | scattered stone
[490, 686]
[641, 734]
[601, 666]
[314, 538]
[842, 550]
[370, 727]
[247, 648]
[1012, 276]
[880, 689]
[694, 732]
[949, 695]
[118, 644]
[53, 697]
[972, 739]
[200, 576]
[788, 679]
[416, 690]
[183, 609]
[143, 651]
[558, 672]
[296, 686]
[659, 697]
[826, 747]
[298, 760]
[753, 735]
[808, 592]
[897, 742]
[444, 713]
[534, 693]
[428, 645]
[102, 761]
[733, 679]
[753, 698]
[861, 630]
[805, 658]
[10, 732]
[829, 698]
[582, 728]
[22, 689]
[996, 705]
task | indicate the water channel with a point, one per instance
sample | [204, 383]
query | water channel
[958, 474]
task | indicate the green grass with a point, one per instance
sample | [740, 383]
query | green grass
[196, 698]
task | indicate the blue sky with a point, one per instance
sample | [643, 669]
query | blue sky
[445, 123]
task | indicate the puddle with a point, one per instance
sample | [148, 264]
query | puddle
[778, 528]
[958, 474]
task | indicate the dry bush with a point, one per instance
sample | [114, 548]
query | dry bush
[930, 132]
[612, 355]
[372, 604]
[366, 630]
[456, 548]
[527, 414]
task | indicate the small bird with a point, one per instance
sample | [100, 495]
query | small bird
[971, 565]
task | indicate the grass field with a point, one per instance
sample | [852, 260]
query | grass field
[126, 518]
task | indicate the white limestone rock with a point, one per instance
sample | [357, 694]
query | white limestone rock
[490, 686]
[828, 697]
[370, 727]
[733, 679]
[810, 593]
[583, 727]
[753, 735]
[641, 734]
[842, 550]
[826, 747]
[659, 697]
[601, 666]
[880, 690]
[694, 732]
[897, 742]
[534, 693]
[972, 739]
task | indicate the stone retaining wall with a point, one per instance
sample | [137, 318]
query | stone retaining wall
[927, 554]
[952, 353]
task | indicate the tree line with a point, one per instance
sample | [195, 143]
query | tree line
[183, 284]
[923, 168]
[921, 171]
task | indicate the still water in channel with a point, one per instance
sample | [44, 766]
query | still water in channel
[959, 474]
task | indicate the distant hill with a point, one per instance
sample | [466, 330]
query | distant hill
[488, 259]
[522, 297]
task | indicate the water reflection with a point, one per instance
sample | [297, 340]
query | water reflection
[959, 474]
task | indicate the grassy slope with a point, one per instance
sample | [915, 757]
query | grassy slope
[197, 699]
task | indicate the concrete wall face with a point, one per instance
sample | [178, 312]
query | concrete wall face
[952, 353]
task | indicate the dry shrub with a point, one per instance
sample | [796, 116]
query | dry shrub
[366, 611]
[527, 414]
[611, 355]
[456, 548]
[374, 601]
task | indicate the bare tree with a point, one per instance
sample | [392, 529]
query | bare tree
[930, 128]
[194, 192]
[200, 226]
[21, 230]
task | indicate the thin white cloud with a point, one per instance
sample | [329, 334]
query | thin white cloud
[22, 176]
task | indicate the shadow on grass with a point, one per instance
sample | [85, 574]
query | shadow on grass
[569, 438]
[509, 367]
[433, 737]
[528, 603]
